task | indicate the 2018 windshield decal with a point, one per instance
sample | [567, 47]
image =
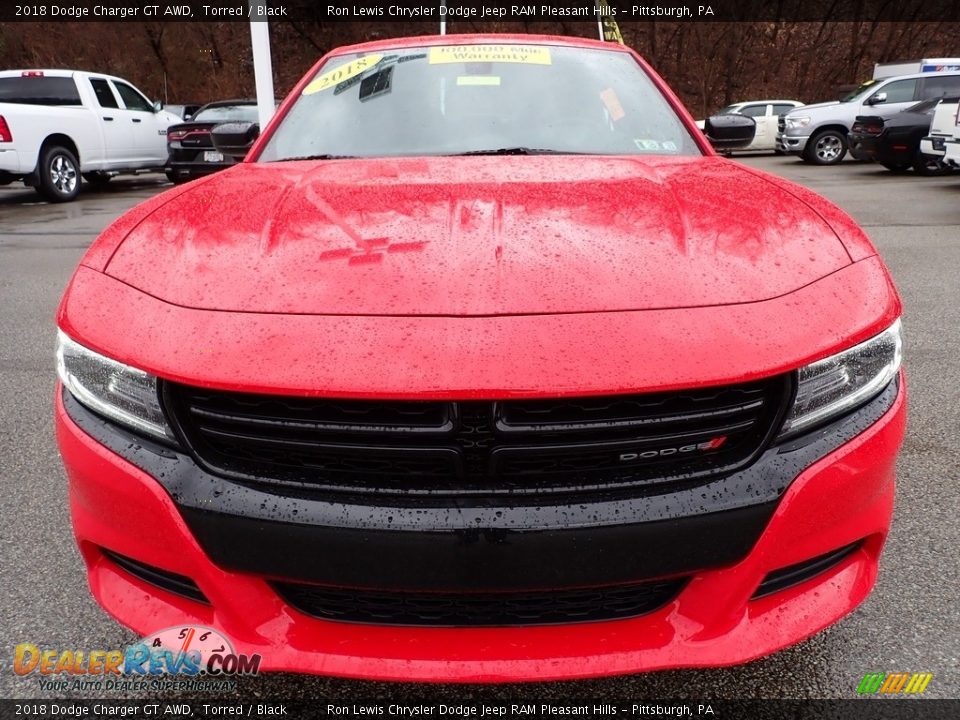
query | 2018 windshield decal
[340, 74]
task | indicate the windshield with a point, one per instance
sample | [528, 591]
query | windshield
[466, 99]
[240, 113]
[728, 110]
[861, 89]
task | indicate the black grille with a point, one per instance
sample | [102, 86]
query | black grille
[514, 446]
[477, 610]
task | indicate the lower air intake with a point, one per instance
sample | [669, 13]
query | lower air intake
[480, 610]
[795, 574]
[163, 579]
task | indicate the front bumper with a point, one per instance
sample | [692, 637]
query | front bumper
[791, 143]
[154, 505]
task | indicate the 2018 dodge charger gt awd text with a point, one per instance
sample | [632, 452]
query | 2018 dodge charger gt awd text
[482, 366]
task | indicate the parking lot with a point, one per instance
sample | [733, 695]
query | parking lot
[908, 624]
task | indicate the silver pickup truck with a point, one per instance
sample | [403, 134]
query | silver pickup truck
[818, 133]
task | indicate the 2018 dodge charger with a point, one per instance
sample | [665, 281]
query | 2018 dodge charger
[483, 366]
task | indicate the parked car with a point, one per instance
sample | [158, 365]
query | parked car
[483, 366]
[184, 112]
[895, 142]
[765, 113]
[818, 133]
[191, 151]
[941, 128]
[59, 125]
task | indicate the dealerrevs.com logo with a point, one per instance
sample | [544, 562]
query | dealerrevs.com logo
[177, 658]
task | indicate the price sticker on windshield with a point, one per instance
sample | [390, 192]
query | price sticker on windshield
[340, 74]
[525, 54]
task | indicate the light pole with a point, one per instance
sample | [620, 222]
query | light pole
[262, 63]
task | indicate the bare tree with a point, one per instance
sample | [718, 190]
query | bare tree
[708, 64]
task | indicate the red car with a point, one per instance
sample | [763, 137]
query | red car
[482, 366]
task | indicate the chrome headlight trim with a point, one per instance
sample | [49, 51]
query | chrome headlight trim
[839, 383]
[119, 392]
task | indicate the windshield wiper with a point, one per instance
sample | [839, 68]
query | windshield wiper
[518, 150]
[317, 157]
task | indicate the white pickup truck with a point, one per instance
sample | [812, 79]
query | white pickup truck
[941, 129]
[951, 145]
[59, 125]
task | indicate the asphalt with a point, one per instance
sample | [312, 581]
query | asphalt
[909, 623]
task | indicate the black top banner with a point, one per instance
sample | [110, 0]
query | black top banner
[480, 11]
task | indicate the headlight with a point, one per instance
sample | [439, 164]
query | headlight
[792, 123]
[834, 385]
[117, 391]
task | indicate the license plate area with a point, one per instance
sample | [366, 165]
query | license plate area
[212, 156]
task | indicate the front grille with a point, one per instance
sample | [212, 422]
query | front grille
[513, 446]
[479, 610]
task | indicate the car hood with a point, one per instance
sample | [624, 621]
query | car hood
[170, 118]
[470, 236]
[814, 106]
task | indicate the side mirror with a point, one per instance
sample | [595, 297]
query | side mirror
[729, 132]
[877, 99]
[157, 105]
[235, 138]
